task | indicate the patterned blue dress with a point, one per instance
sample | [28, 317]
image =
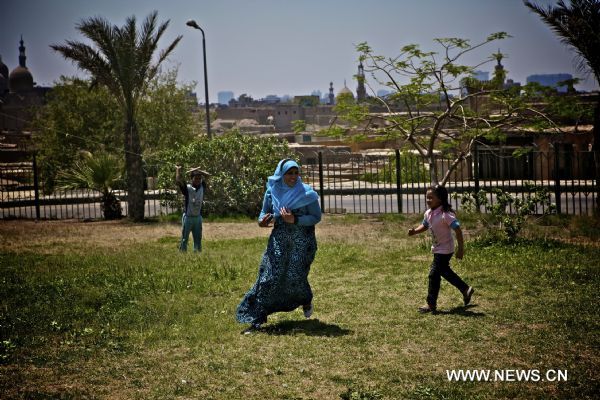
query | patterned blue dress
[282, 283]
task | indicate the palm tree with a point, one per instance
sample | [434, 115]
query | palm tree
[98, 173]
[121, 60]
[578, 26]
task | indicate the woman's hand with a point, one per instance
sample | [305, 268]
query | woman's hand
[287, 215]
[266, 220]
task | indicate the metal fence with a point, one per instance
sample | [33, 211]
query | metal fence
[24, 195]
[347, 183]
[397, 182]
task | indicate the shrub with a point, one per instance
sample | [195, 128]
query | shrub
[239, 166]
[504, 224]
[100, 172]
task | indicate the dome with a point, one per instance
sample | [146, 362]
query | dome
[345, 92]
[20, 80]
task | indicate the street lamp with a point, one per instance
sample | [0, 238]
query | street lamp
[193, 24]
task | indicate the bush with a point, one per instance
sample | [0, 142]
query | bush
[239, 166]
[506, 225]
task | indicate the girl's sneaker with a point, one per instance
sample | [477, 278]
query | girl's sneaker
[467, 295]
[308, 310]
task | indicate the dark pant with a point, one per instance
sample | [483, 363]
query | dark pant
[441, 267]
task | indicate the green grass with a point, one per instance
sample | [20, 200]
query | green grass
[145, 322]
[176, 218]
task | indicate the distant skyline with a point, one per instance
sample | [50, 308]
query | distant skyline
[278, 47]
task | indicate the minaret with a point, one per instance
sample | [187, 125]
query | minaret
[499, 72]
[22, 57]
[361, 93]
[331, 96]
[20, 79]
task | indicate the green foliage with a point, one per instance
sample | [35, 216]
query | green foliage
[558, 108]
[504, 224]
[75, 118]
[298, 126]
[165, 118]
[122, 59]
[100, 172]
[80, 118]
[576, 24]
[238, 164]
[430, 109]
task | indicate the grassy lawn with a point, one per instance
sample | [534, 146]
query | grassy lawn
[112, 310]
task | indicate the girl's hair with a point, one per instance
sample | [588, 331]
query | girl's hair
[441, 193]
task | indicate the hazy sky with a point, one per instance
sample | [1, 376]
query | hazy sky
[262, 47]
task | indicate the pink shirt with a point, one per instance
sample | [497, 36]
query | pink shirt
[440, 223]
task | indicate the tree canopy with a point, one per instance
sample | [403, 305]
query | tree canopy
[121, 59]
[430, 108]
[80, 118]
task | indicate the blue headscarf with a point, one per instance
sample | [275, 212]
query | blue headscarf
[283, 195]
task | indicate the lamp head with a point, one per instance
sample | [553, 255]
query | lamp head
[192, 23]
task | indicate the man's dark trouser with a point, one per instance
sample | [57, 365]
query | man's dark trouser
[441, 267]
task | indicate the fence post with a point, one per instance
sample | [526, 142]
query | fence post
[36, 189]
[557, 178]
[398, 182]
[321, 186]
[476, 175]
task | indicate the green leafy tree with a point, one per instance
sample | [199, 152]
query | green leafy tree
[79, 118]
[578, 26]
[168, 115]
[98, 172]
[121, 60]
[73, 119]
[238, 164]
[435, 111]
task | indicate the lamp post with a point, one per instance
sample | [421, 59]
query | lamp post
[193, 24]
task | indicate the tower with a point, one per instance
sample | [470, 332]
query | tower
[499, 71]
[331, 96]
[20, 79]
[361, 93]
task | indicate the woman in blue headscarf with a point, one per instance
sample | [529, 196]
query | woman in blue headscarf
[282, 283]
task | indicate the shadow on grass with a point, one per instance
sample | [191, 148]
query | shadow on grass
[311, 327]
[464, 311]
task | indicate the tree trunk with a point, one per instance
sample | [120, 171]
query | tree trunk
[135, 172]
[596, 150]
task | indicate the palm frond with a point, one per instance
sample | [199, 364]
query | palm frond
[99, 172]
[122, 57]
[578, 26]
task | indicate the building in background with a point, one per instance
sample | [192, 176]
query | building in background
[481, 75]
[225, 97]
[551, 80]
[19, 99]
